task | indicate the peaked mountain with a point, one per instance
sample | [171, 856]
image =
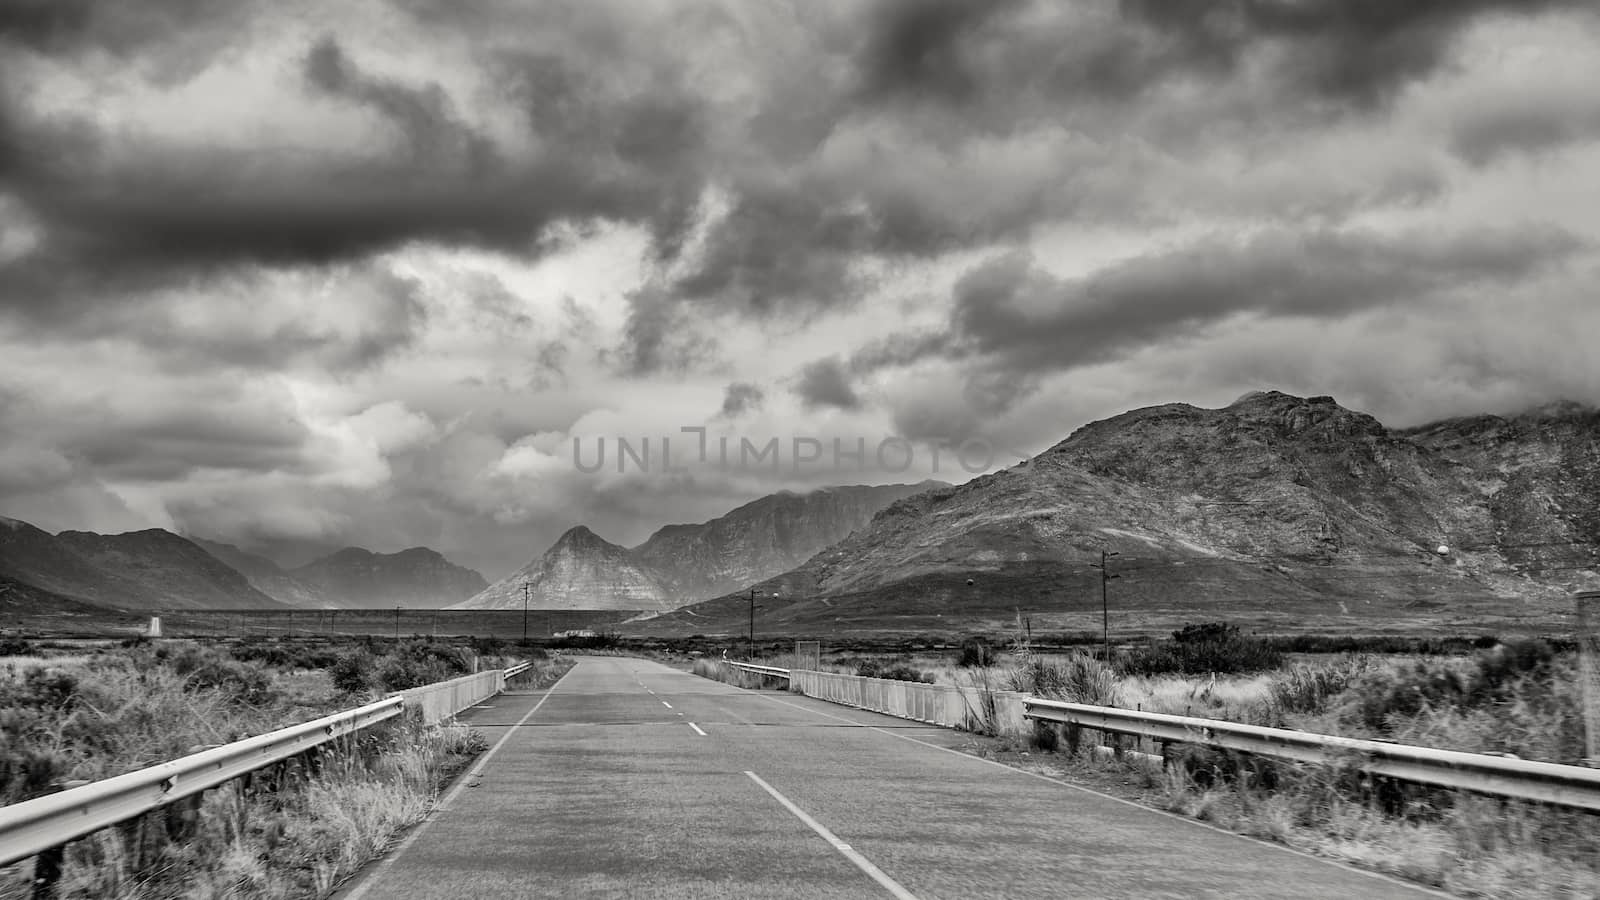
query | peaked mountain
[174, 570]
[681, 563]
[581, 571]
[1282, 506]
[418, 578]
[267, 576]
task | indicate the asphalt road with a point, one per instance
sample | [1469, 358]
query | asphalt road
[633, 779]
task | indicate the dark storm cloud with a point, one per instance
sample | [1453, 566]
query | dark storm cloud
[779, 246]
[1355, 52]
[1011, 316]
[657, 335]
[149, 214]
[175, 445]
[826, 383]
[917, 46]
[434, 135]
[1533, 124]
[741, 397]
[69, 26]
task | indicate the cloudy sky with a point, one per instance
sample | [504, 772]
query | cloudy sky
[298, 274]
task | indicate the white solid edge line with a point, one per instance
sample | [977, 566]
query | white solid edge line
[861, 862]
[697, 729]
[1381, 876]
[388, 859]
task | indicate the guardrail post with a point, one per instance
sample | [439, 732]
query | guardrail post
[47, 865]
[47, 872]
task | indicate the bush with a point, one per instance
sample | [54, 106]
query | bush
[15, 646]
[209, 668]
[976, 652]
[1518, 670]
[1308, 689]
[350, 672]
[1214, 647]
[1080, 679]
[899, 672]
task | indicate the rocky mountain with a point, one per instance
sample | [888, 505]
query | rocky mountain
[681, 563]
[582, 571]
[1284, 506]
[761, 538]
[1539, 473]
[418, 578]
[173, 570]
[267, 576]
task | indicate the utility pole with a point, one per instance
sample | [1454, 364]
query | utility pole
[397, 624]
[525, 612]
[751, 652]
[1105, 607]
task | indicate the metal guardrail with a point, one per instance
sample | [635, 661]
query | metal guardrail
[517, 669]
[34, 826]
[44, 824]
[774, 671]
[1541, 782]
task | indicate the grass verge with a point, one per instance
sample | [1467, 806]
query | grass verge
[291, 831]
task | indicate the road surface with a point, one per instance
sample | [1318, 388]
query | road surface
[633, 779]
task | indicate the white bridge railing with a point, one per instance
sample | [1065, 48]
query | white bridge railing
[1571, 786]
[44, 825]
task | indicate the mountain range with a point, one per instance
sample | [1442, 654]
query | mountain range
[1279, 509]
[155, 570]
[1282, 506]
[418, 578]
[679, 564]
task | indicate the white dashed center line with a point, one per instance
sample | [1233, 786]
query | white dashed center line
[849, 852]
[697, 729]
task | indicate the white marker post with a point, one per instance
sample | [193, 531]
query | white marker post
[1588, 603]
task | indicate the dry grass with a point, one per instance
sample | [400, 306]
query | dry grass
[293, 833]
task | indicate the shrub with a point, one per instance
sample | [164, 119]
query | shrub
[350, 671]
[209, 668]
[15, 646]
[1214, 647]
[976, 651]
[898, 672]
[1308, 689]
[1080, 679]
[1517, 670]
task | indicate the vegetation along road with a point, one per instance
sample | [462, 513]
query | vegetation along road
[629, 778]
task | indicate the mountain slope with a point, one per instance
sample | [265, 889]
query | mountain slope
[267, 576]
[582, 571]
[681, 563]
[176, 571]
[34, 557]
[418, 578]
[1281, 505]
[761, 538]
